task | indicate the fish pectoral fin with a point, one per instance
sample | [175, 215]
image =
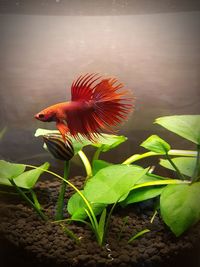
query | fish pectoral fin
[63, 129]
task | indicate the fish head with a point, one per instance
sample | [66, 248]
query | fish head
[45, 115]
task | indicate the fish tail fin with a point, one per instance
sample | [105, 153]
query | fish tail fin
[103, 104]
[112, 103]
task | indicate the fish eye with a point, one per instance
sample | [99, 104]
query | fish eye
[41, 116]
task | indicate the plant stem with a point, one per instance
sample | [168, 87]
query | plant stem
[172, 152]
[86, 163]
[153, 217]
[27, 199]
[61, 196]
[196, 172]
[162, 182]
[136, 157]
[35, 200]
[97, 153]
[180, 175]
[182, 153]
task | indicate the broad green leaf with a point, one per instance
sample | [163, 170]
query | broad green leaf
[185, 165]
[180, 207]
[25, 179]
[113, 183]
[142, 194]
[10, 170]
[76, 207]
[187, 126]
[98, 165]
[5, 181]
[109, 141]
[29, 178]
[156, 144]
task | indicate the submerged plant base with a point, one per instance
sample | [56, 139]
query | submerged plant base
[29, 241]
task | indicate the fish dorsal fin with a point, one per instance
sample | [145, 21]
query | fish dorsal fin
[82, 88]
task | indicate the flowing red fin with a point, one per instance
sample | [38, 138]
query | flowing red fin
[81, 89]
[103, 105]
[63, 129]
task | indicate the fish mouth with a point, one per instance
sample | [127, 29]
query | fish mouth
[36, 116]
[39, 116]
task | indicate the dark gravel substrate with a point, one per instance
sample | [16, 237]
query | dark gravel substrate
[28, 241]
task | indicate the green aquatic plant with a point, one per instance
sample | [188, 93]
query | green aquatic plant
[102, 190]
[99, 228]
[179, 202]
[182, 201]
[14, 175]
[78, 206]
[109, 184]
[65, 151]
[56, 146]
[139, 234]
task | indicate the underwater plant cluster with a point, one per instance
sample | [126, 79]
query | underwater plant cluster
[108, 185]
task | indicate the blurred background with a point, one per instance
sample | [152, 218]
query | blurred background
[151, 46]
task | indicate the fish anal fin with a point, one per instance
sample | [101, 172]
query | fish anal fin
[63, 129]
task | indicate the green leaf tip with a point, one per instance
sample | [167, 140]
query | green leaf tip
[22, 178]
[156, 144]
[9, 170]
[186, 126]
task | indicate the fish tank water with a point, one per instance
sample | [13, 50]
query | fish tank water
[152, 47]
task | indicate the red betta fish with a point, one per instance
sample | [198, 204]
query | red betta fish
[96, 106]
